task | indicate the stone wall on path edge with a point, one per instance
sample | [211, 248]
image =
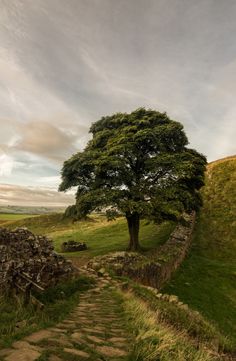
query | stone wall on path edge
[154, 270]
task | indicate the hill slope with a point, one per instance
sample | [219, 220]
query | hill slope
[207, 278]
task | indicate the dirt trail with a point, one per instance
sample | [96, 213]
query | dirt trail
[94, 331]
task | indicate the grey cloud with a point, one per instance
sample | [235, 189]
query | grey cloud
[46, 140]
[64, 64]
[29, 196]
[54, 139]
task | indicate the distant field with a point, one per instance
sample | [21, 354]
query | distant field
[14, 217]
[29, 210]
[207, 278]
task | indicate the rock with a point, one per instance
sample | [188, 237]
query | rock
[165, 297]
[77, 336]
[101, 272]
[111, 351]
[54, 358]
[73, 246]
[94, 265]
[39, 336]
[21, 324]
[25, 257]
[117, 266]
[95, 339]
[27, 354]
[184, 307]
[76, 352]
[5, 352]
[96, 290]
[24, 344]
[117, 339]
[173, 299]
[152, 270]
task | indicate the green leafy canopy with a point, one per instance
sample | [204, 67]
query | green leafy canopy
[136, 163]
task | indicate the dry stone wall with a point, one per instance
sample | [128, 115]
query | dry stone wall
[156, 269]
[26, 257]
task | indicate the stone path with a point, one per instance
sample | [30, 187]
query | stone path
[94, 331]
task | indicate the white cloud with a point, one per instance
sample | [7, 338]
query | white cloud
[6, 165]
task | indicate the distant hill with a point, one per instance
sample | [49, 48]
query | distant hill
[207, 278]
[30, 210]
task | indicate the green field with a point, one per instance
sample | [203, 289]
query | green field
[207, 278]
[100, 235]
[13, 217]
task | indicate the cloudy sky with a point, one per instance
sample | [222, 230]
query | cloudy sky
[65, 63]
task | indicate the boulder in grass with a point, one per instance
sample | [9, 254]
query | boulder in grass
[73, 246]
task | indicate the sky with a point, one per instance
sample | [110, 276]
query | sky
[66, 63]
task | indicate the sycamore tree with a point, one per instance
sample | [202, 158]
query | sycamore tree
[138, 165]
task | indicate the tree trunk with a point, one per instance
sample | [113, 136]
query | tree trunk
[133, 226]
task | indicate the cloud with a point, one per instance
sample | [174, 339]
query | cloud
[6, 165]
[33, 196]
[63, 65]
[46, 140]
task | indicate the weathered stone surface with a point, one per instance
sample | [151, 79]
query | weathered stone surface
[25, 354]
[111, 351]
[54, 358]
[59, 330]
[77, 336]
[152, 270]
[39, 336]
[101, 272]
[95, 339]
[93, 330]
[73, 246]
[173, 299]
[67, 325]
[62, 340]
[25, 344]
[117, 339]
[76, 352]
[69, 322]
[25, 256]
[5, 352]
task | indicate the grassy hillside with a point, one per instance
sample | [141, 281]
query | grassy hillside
[100, 235]
[207, 278]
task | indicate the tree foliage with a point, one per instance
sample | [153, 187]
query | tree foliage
[137, 164]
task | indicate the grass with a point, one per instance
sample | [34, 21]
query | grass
[4, 217]
[207, 278]
[100, 235]
[17, 320]
[156, 340]
[183, 319]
